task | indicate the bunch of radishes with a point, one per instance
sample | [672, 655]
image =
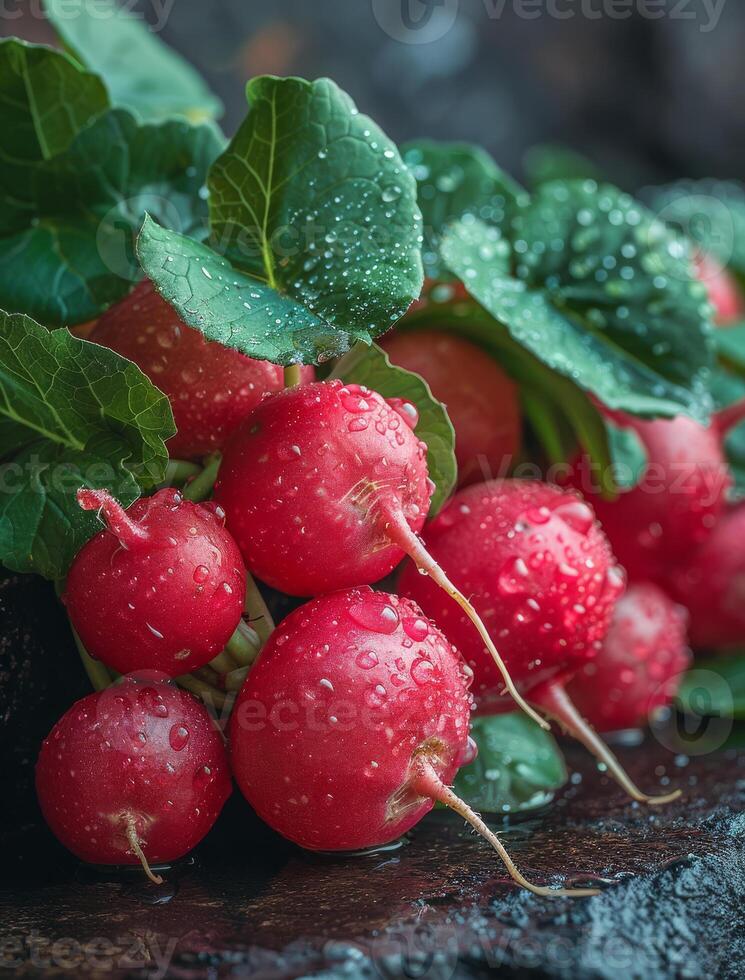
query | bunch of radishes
[354, 718]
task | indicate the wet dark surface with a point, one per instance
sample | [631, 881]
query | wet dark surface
[440, 906]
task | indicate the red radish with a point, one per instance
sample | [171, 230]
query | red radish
[161, 589]
[325, 487]
[133, 774]
[678, 499]
[211, 388]
[542, 576]
[711, 585]
[481, 400]
[352, 723]
[638, 671]
[725, 294]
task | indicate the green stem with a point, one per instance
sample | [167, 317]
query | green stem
[223, 663]
[292, 375]
[235, 680]
[244, 645]
[201, 486]
[209, 694]
[256, 611]
[178, 471]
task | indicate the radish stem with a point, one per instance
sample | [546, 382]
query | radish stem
[201, 486]
[178, 471]
[134, 843]
[256, 611]
[292, 375]
[244, 645]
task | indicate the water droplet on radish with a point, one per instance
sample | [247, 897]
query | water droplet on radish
[422, 672]
[416, 628]
[577, 514]
[513, 577]
[201, 574]
[367, 659]
[358, 425]
[178, 737]
[377, 617]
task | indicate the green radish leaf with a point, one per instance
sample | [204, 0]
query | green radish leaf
[370, 366]
[551, 161]
[45, 100]
[234, 308]
[628, 454]
[455, 180]
[141, 73]
[711, 213]
[518, 767]
[600, 292]
[67, 244]
[316, 214]
[72, 414]
[730, 346]
[715, 688]
[728, 387]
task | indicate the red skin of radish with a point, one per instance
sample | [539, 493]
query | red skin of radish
[144, 753]
[304, 479]
[711, 585]
[481, 400]
[642, 661]
[347, 691]
[539, 571]
[725, 294]
[162, 590]
[675, 505]
[211, 388]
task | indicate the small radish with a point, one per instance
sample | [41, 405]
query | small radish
[678, 498]
[638, 671]
[481, 400]
[136, 773]
[352, 723]
[541, 574]
[711, 585]
[325, 487]
[211, 388]
[161, 589]
[724, 290]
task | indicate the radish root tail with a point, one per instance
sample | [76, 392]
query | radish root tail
[557, 704]
[398, 531]
[426, 782]
[134, 843]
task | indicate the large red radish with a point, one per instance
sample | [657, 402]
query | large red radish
[353, 722]
[134, 774]
[325, 487]
[639, 669]
[542, 575]
[481, 400]
[161, 588]
[211, 388]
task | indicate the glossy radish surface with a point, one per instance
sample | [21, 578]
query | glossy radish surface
[640, 666]
[135, 773]
[352, 723]
[161, 588]
[677, 501]
[211, 388]
[481, 399]
[325, 487]
[711, 585]
[724, 290]
[540, 572]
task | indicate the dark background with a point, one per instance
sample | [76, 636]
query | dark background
[649, 89]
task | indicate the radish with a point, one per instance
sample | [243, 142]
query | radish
[638, 671]
[136, 773]
[211, 388]
[162, 588]
[543, 578]
[678, 499]
[724, 290]
[481, 400]
[711, 585]
[325, 487]
[352, 723]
